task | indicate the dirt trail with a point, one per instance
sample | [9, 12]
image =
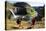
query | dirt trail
[11, 24]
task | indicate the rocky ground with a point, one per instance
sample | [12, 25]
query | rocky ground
[10, 24]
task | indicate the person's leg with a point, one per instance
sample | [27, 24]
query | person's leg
[18, 21]
[33, 21]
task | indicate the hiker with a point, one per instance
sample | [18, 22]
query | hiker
[24, 10]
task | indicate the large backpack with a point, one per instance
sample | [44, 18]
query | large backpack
[21, 8]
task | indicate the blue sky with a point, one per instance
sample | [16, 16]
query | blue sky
[30, 2]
